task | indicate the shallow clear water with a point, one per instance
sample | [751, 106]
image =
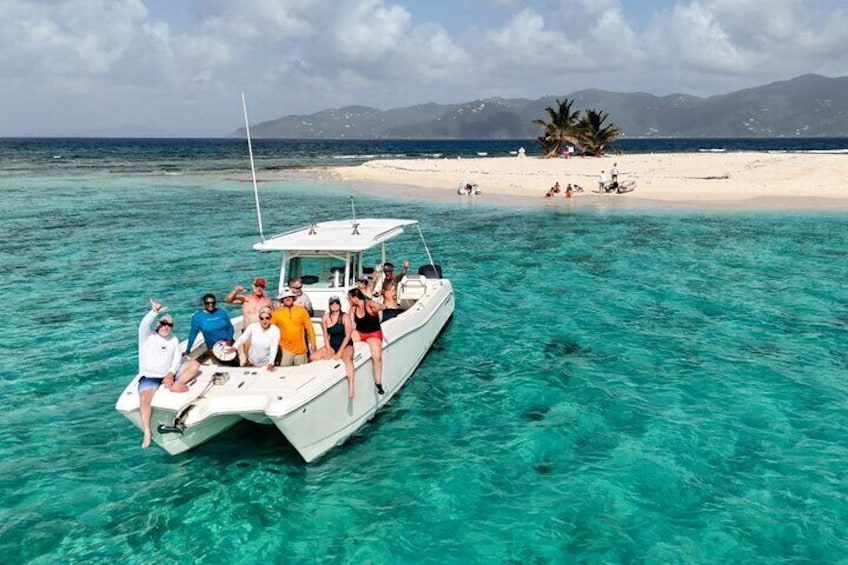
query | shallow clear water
[614, 387]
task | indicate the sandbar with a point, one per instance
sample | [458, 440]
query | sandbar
[742, 180]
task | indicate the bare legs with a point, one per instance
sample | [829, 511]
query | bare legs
[376, 346]
[187, 372]
[146, 396]
[347, 357]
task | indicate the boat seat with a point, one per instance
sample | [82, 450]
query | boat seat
[412, 287]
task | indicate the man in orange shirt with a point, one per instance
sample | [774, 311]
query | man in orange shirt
[293, 320]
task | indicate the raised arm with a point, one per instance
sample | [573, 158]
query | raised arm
[374, 306]
[372, 285]
[144, 329]
[235, 296]
[403, 270]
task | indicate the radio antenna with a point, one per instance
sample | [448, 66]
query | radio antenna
[353, 212]
[252, 168]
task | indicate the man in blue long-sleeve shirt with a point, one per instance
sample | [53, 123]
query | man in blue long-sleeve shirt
[215, 325]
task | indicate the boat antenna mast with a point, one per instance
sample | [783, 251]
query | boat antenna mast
[427, 249]
[252, 168]
[353, 212]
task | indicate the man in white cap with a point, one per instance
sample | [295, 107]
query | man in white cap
[293, 320]
[158, 363]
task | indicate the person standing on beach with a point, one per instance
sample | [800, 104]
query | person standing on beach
[602, 182]
[614, 172]
[158, 364]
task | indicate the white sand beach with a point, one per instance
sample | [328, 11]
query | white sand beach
[802, 181]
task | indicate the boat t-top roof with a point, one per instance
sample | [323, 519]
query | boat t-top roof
[342, 235]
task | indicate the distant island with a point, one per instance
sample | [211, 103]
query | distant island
[806, 106]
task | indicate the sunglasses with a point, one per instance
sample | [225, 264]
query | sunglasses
[296, 287]
[169, 324]
[210, 303]
[264, 317]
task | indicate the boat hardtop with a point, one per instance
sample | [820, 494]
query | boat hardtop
[340, 235]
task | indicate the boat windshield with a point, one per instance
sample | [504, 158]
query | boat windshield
[322, 271]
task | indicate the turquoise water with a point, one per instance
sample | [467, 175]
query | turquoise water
[615, 387]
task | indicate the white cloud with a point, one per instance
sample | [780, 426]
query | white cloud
[123, 60]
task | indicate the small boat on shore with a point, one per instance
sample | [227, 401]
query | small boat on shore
[309, 403]
[466, 188]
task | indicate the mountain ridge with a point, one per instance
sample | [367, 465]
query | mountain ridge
[809, 105]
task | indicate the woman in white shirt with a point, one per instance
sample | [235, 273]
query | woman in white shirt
[264, 341]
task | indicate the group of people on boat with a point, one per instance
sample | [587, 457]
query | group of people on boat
[274, 334]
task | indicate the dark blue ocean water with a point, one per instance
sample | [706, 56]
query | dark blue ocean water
[56, 156]
[615, 387]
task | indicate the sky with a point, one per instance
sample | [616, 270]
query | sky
[178, 67]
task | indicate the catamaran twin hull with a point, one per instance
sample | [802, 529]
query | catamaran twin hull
[309, 403]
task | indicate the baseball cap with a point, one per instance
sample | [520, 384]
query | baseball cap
[260, 282]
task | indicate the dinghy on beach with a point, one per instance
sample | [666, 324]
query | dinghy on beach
[309, 403]
[467, 188]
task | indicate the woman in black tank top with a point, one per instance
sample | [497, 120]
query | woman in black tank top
[391, 308]
[338, 340]
[366, 316]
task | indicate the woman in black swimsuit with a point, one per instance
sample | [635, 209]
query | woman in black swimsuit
[338, 341]
[391, 308]
[366, 317]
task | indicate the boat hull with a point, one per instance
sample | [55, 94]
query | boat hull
[179, 442]
[309, 404]
[330, 418]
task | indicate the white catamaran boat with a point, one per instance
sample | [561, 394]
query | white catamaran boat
[309, 403]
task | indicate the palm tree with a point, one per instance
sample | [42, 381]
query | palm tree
[560, 129]
[593, 136]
